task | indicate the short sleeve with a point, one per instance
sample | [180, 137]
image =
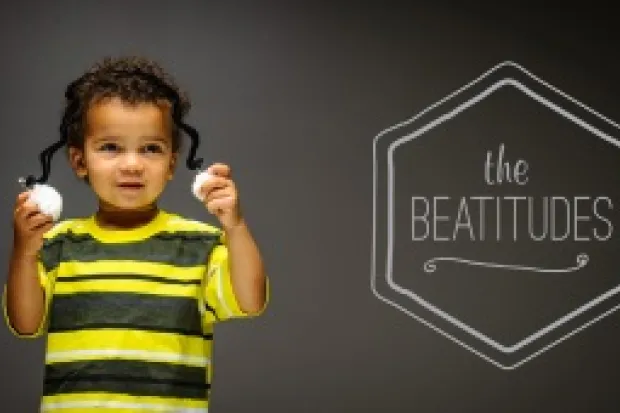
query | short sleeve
[45, 280]
[220, 302]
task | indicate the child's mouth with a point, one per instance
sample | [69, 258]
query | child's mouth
[131, 185]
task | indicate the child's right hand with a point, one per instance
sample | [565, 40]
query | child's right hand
[29, 226]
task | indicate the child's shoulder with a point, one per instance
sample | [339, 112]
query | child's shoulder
[166, 222]
[174, 222]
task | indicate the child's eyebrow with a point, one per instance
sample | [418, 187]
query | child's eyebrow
[149, 138]
[105, 138]
[155, 138]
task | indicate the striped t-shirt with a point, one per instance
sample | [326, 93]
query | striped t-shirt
[130, 313]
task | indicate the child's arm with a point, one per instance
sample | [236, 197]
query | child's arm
[25, 297]
[246, 268]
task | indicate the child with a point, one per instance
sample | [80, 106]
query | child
[129, 295]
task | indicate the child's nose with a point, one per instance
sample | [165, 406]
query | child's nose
[131, 162]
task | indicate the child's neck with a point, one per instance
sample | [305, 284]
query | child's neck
[122, 219]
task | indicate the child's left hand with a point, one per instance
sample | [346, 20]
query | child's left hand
[221, 197]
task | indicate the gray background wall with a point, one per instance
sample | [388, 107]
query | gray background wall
[291, 95]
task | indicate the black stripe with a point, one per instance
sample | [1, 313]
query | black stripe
[119, 326]
[184, 249]
[81, 384]
[50, 253]
[138, 378]
[125, 310]
[128, 277]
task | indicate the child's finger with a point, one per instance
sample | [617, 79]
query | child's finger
[40, 222]
[218, 194]
[212, 184]
[218, 205]
[26, 210]
[21, 198]
[41, 230]
[219, 169]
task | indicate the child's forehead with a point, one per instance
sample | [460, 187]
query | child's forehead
[116, 104]
[117, 113]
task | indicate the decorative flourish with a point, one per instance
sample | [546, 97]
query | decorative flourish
[431, 265]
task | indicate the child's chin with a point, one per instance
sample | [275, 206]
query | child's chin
[130, 205]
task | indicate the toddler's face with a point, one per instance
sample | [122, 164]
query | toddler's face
[127, 154]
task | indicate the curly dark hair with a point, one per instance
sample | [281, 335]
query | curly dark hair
[134, 79]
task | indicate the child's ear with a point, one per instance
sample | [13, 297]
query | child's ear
[173, 164]
[77, 161]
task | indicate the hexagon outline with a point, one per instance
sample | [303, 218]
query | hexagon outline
[427, 305]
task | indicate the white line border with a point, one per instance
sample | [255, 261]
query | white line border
[496, 86]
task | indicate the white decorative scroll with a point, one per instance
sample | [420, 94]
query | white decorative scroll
[431, 265]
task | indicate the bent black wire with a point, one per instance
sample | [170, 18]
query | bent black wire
[45, 157]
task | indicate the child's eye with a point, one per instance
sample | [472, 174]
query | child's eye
[154, 148]
[109, 146]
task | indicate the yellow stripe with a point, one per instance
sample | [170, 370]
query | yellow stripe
[132, 286]
[127, 340]
[72, 268]
[123, 398]
[128, 355]
[177, 223]
[46, 409]
[171, 222]
[52, 408]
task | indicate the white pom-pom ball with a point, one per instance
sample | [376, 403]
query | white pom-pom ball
[48, 200]
[200, 179]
